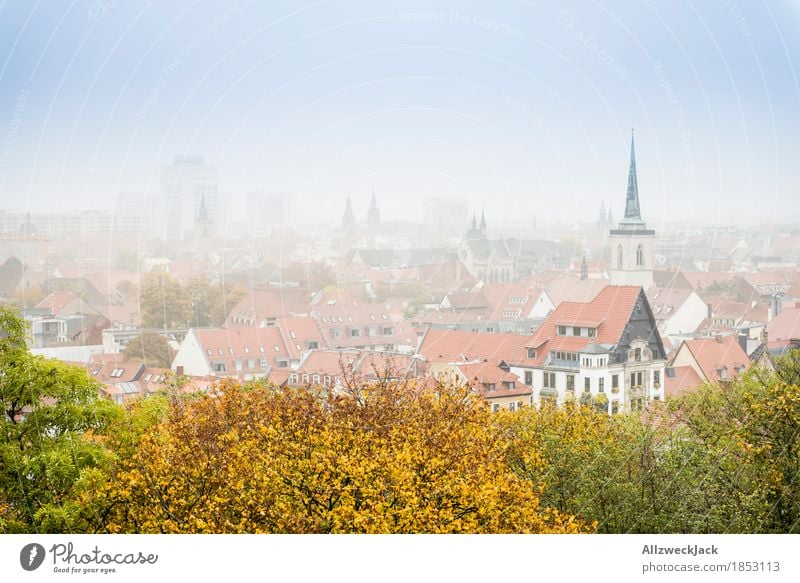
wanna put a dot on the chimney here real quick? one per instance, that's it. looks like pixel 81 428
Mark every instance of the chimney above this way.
pixel 743 341
pixel 179 370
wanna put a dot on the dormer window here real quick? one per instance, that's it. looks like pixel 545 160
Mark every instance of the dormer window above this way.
pixel 576 331
pixel 562 330
pixel 531 353
pixel 592 332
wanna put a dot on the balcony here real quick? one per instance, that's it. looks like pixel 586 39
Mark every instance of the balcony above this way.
pixel 562 363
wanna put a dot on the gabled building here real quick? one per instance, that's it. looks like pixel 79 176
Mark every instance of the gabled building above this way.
pixel 607 350
pixel 712 359
pixel 493 381
pixel 244 353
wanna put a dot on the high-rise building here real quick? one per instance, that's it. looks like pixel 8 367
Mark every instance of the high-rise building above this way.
pixel 268 209
pixel 186 185
pixel 632 242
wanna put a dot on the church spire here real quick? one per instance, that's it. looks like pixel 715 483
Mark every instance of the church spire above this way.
pixel 348 219
pixel 633 213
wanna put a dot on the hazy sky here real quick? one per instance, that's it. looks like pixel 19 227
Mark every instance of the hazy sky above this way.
pixel 524 108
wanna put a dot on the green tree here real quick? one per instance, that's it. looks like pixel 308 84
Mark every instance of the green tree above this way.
pixel 164 301
pixel 211 302
pixel 126 259
pixel 50 456
pixel 150 347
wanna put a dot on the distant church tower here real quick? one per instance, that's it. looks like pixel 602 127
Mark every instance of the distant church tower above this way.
pixel 203 223
pixel 632 242
pixel 373 214
pixel 348 219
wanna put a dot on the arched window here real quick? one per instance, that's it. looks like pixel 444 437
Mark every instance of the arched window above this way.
pixel 640 255
pixel 619 255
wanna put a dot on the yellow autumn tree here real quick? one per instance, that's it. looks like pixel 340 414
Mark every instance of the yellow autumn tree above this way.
pixel 380 458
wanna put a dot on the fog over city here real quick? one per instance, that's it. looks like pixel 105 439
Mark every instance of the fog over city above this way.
pixel 522 267
pixel 523 108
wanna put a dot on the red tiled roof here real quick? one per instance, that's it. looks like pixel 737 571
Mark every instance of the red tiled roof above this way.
pixel 261 304
pixel 713 354
pixel 57 301
pixel 457 345
pixel 230 344
pixel 784 326
pixel 483 373
pixel 684 378
pixel 298 332
pixel 609 311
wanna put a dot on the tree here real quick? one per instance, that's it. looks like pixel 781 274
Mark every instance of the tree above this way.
pixel 127 260
pixel 210 301
pixel 150 347
pixel 49 455
pixel 164 301
pixel 385 457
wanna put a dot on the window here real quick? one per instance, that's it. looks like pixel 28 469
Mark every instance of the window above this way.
pixel 562 330
pixel 570 382
pixel 261 349
pixel 614 407
pixel 316 379
pixel 251 365
pixel 512 407
pixel 637 355
pixel 337 333
pixel 230 350
pixel 550 380
pixel 587 384
pixel 388 331
pixel 219 367
pixel 495 408
pixel 529 377
pixel 592 332
pixel 277 348
pixel 576 331
pixel 657 379
pixel 263 364
pixel 305 379
pixel 293 378
pixel 633 379
pixel 489 386
pixel 615 381
pixel 246 350
pixel 221 353
pixel 531 353
pixel 313 345
pixel 208 352
pixel 640 255
pixel 602 385
pixel 355 332
pixel 619 256
pixel 238 365
pixel 723 373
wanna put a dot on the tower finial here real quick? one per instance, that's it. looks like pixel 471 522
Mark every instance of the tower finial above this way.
pixel 632 210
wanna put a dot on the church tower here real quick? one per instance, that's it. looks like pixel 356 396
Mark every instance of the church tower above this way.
pixel 373 214
pixel 348 219
pixel 632 242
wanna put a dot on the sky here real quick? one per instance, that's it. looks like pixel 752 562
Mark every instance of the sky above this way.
pixel 524 108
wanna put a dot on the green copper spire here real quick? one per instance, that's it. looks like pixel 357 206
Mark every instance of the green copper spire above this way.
pixel 633 213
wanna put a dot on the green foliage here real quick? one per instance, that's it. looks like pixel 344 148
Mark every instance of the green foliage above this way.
pixel 150 347
pixel 48 451
pixel 164 302
pixel 127 260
